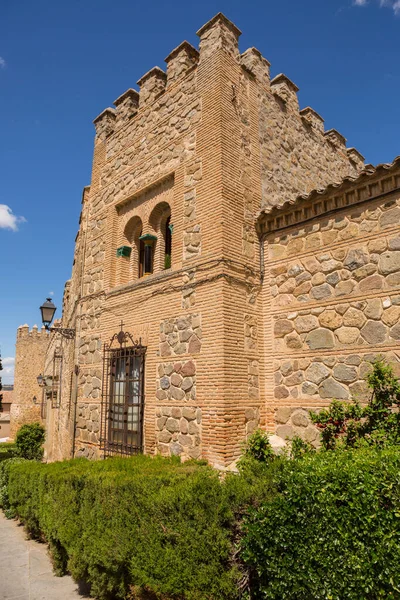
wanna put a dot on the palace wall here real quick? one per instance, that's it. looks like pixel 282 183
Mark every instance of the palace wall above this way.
pixel 331 295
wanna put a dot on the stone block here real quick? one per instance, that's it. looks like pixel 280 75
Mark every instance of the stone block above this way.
pixel 320 339
pixel 332 389
pixel 286 432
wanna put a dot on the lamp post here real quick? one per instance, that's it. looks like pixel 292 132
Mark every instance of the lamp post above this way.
pixel 48 309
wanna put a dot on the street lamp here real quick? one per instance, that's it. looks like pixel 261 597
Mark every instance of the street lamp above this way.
pixel 48 309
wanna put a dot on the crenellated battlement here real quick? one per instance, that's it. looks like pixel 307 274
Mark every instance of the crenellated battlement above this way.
pixel 219 33
pixel 180 60
pixel 286 90
pixel 126 106
pixel 313 119
pixel 254 61
pixel 24 332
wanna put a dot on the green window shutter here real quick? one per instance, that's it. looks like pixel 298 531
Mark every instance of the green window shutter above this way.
pixel 124 251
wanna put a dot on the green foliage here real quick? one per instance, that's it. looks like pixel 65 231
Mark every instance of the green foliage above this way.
pixel 333 532
pixel 152 527
pixel 167 261
pixel 258 448
pixel 347 424
pixel 7 450
pixel 29 441
pixel 4 478
pixel 300 448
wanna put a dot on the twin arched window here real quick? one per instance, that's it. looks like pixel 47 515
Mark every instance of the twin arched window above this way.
pixel 148 246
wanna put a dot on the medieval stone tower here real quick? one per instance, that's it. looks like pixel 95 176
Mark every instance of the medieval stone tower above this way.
pixel 30 356
pixel 213 291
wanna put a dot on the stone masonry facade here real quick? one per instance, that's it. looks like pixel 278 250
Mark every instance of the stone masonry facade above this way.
pixel 252 258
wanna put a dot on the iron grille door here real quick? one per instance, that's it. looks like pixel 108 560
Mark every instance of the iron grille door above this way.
pixel 123 397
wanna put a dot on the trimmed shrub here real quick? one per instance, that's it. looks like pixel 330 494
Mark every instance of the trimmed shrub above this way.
pixel 7 450
pixel 140 525
pixel 333 532
pixel 29 441
pixel 4 479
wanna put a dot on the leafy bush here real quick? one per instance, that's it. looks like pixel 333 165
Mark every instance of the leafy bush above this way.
pixel 378 423
pixel 4 477
pixel 300 448
pixel 29 441
pixel 139 525
pixel 7 450
pixel 332 533
pixel 257 448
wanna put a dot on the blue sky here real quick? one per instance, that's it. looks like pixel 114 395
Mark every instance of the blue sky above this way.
pixel 62 63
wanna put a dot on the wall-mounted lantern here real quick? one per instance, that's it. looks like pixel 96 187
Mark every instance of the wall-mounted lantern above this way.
pixel 48 309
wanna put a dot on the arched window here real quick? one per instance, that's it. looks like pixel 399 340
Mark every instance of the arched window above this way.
pixel 141 257
pixel 129 251
pixel 168 243
pixel 160 223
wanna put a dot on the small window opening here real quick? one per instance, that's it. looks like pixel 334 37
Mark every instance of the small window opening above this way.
pixel 168 243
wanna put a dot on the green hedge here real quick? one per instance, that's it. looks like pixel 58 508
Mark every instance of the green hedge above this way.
pixel 140 525
pixel 5 466
pixel 7 450
pixel 332 533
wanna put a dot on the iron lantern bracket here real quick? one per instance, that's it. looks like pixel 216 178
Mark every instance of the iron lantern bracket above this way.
pixel 65 331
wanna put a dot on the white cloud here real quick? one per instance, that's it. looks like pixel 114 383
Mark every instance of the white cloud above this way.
pixel 2 63
pixel 51 293
pixel 7 218
pixel 393 4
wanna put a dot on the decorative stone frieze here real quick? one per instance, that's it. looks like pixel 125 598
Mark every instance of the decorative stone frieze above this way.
pixel 181 335
pixel 178 431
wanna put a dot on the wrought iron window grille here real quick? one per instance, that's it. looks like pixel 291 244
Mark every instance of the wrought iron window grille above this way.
pixel 122 407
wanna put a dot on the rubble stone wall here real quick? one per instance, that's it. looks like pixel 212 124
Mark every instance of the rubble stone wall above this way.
pixel 332 289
